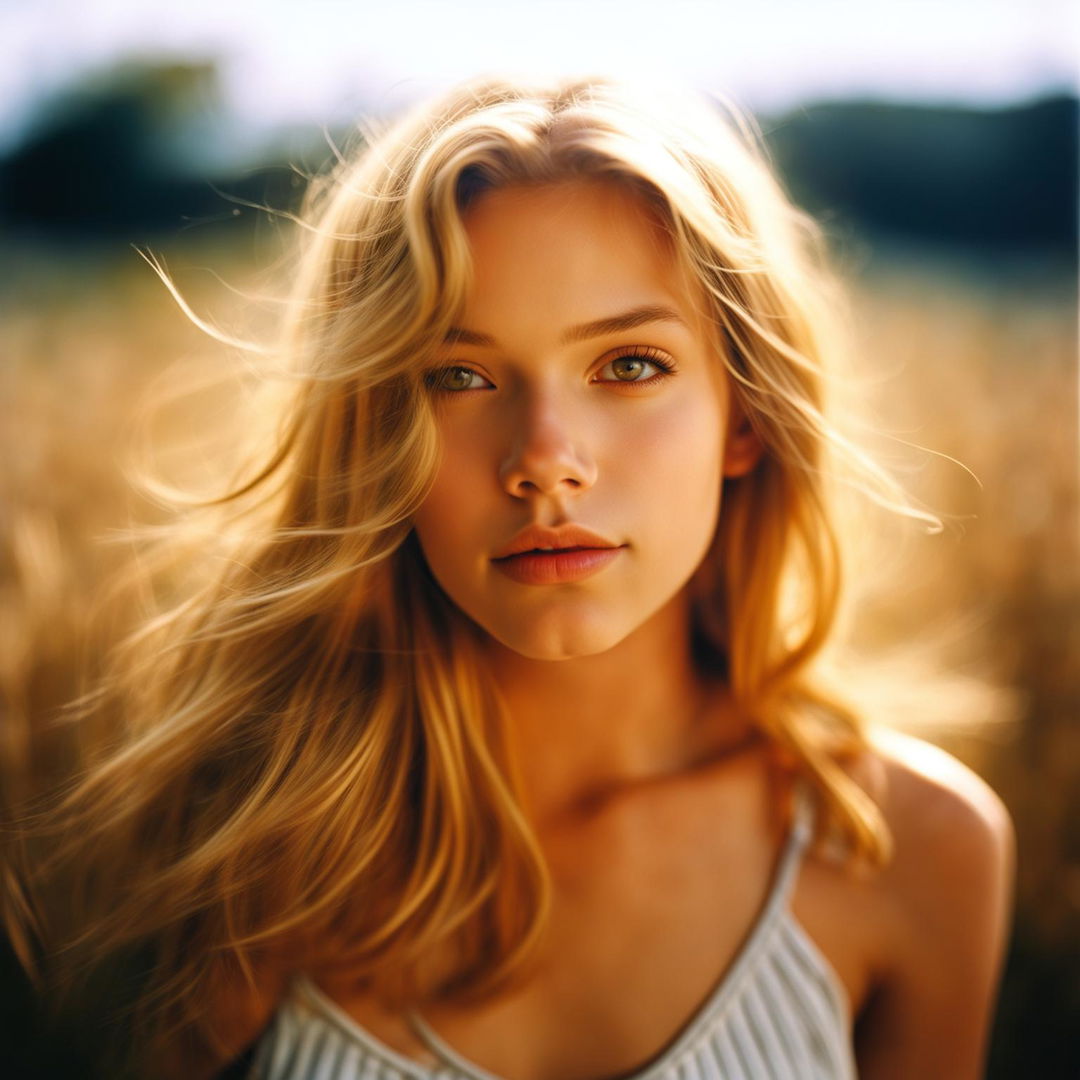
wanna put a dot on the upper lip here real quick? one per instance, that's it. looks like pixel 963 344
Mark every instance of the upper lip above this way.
pixel 565 536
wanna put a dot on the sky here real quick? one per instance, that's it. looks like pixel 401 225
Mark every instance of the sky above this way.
pixel 291 62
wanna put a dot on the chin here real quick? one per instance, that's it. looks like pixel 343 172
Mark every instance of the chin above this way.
pixel 558 643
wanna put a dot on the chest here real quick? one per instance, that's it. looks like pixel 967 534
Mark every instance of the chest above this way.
pixel 651 908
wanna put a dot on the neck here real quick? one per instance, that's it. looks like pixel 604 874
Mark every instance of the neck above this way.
pixel 587 729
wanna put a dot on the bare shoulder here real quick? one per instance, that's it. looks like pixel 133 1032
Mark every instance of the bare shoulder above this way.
pixel 931 797
pixel 949 894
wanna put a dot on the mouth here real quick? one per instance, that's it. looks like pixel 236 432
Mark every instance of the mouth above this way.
pixel 551 551
pixel 556 566
pixel 537 539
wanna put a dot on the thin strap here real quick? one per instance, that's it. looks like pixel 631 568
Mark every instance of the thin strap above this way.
pixel 803 816
pixel 799 833
pixel 444 1051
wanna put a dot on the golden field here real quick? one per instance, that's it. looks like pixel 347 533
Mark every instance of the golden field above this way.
pixel 977 367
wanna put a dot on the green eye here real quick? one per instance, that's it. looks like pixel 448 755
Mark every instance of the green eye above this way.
pixel 452 379
pixel 630 367
pixel 627 368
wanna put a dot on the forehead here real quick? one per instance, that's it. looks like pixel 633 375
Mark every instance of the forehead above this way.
pixel 560 239
pixel 603 200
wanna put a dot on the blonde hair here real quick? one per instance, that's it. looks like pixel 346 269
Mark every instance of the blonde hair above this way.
pixel 308 762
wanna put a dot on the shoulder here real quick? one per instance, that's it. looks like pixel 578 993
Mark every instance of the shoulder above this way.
pixel 236 1011
pixel 935 803
pixel 948 891
pixel 950 880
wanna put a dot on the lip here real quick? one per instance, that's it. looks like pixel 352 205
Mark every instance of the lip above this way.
pixel 556 567
pixel 569 535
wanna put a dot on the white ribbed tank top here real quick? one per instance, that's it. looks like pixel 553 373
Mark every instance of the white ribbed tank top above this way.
pixel 780 1012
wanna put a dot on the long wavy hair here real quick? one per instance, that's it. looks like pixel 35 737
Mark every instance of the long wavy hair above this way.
pixel 307 759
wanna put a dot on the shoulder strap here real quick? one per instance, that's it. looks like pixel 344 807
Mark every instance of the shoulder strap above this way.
pixel 799 834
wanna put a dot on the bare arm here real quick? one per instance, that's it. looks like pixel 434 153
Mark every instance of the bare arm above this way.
pixel 951 904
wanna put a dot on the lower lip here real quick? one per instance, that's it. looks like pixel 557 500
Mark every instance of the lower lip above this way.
pixel 556 567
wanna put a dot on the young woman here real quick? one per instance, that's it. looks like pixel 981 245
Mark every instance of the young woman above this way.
pixel 491 741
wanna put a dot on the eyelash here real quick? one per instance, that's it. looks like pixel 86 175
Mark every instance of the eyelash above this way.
pixel 645 352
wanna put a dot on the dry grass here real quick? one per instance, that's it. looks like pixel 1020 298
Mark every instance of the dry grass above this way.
pixel 987 374
pixel 984 373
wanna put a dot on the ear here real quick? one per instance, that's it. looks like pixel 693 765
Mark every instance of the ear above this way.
pixel 742 447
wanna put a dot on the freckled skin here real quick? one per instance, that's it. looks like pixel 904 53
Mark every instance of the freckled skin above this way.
pixel 548 433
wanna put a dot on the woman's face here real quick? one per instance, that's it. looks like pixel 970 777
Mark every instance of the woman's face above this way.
pixel 547 417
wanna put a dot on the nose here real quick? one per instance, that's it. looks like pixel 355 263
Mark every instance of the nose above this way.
pixel 547 453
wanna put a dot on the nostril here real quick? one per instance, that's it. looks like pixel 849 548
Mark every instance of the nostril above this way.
pixel 532 485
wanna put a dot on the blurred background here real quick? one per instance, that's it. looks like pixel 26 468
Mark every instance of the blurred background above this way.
pixel 936 143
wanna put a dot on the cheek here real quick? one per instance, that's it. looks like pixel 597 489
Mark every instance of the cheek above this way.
pixel 449 507
pixel 678 452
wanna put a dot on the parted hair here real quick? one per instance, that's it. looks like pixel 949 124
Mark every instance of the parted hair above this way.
pixel 307 759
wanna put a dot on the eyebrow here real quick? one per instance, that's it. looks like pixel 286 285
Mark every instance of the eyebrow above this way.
pixel 614 324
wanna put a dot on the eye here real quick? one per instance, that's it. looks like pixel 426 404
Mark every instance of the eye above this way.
pixel 453 379
pixel 632 366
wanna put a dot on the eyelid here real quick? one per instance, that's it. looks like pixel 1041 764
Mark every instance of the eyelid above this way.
pixel 432 375
pixel 657 356
pixel 660 359
pixel 663 362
